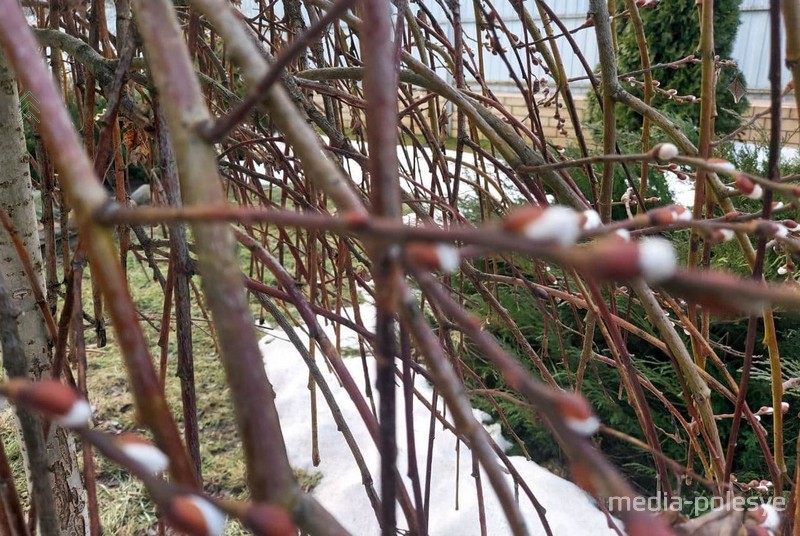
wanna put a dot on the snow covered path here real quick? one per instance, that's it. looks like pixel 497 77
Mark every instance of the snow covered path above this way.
pixel 569 510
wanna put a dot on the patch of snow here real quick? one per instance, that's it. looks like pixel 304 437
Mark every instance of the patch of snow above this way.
pixel 453 495
pixel 762 151
pixel 682 191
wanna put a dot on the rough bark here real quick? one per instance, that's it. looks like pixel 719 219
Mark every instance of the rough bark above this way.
pixel 16 198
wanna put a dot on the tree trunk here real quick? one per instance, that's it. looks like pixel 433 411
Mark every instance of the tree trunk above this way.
pixel 16 199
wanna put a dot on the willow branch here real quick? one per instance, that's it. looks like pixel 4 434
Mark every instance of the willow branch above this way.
pixel 608 72
pixel 86 195
pixel 305 143
pixel 223 125
pixel 452 390
pixel 380 92
pixel 269 474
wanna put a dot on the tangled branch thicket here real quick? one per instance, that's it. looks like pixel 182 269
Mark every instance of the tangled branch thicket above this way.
pixel 317 154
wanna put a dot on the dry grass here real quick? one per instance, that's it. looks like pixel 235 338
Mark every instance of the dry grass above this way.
pixel 125 508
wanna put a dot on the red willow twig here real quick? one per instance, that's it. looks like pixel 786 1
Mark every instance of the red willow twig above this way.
pixel 182 275
pixel 79 349
pixel 380 92
pixel 109 120
pixel 86 195
pixel 452 390
pixel 316 333
pixel 64 321
pixel 631 381
pixel 269 476
pixel 773 172
pixel 221 127
pixel 592 471
pixel 758 265
pixel 703 202
pixel 599 10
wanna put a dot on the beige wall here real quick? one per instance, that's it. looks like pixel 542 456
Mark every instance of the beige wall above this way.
pixel 790 127
pixel 549 116
pixel 758 132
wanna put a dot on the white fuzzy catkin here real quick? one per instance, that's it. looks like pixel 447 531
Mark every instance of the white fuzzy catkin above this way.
pixel 147 455
pixel 77 416
pixel 682 215
pixel 214 517
pixel 757 192
pixel 773 518
pixel 555 224
pixel 657 259
pixel 624 234
pixel 666 151
pixel 591 220
pixel 724 166
pixel 727 234
pixel 583 427
pixel 449 258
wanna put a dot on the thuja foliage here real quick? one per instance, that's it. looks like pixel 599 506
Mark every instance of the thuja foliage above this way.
pixel 559 346
pixel 558 340
pixel 625 175
pixel 673 34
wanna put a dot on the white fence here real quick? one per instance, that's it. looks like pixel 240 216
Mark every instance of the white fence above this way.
pixel 751 48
